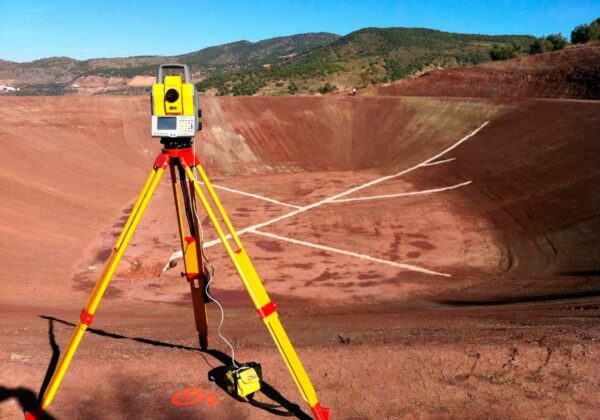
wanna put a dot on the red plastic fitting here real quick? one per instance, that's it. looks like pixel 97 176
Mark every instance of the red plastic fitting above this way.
pixel 37 414
pixel 187 157
pixel 191 276
pixel 162 161
pixel 267 310
pixel 86 318
pixel 189 239
pixel 320 412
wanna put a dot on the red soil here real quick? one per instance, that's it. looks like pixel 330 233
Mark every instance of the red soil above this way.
pixel 523 231
pixel 570 73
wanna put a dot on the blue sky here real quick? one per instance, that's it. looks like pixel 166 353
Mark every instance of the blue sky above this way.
pixel 32 29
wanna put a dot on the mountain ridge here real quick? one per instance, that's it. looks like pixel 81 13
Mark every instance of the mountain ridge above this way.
pixel 259 51
pixel 301 63
pixel 365 57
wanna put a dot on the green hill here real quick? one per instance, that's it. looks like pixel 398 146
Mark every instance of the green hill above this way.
pixel 236 56
pixel 304 63
pixel 370 55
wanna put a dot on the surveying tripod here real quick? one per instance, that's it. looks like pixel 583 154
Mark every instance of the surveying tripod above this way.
pixel 180 158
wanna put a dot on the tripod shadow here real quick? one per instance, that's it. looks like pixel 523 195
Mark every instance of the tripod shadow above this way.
pixel 282 406
pixel 27 398
pixel 53 359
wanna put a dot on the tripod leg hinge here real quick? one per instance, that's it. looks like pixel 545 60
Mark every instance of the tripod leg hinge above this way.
pixel 267 310
pixel 86 318
pixel 162 161
pixel 320 412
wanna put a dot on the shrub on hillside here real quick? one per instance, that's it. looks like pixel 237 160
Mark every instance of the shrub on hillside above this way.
pixel 540 45
pixel 326 88
pixel 505 51
pixel 248 86
pixel 584 33
pixel 594 32
pixel 395 71
pixel 552 42
pixel 580 34
pixel 558 41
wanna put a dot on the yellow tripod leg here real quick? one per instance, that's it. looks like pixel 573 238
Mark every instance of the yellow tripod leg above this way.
pixel 265 307
pixel 93 302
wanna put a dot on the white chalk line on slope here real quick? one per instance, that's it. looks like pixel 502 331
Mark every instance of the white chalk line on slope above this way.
pixel 455 145
pixel 349 253
pixel 174 256
pixel 257 196
pixel 439 162
pixel 332 198
pixel 359 187
pixel 375 197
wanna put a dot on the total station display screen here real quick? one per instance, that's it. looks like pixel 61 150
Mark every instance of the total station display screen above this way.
pixel 166 123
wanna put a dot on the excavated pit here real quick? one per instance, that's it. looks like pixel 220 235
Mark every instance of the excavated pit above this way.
pixel 529 210
pixel 478 203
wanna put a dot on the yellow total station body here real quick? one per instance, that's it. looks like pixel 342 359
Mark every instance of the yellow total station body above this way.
pixel 173 97
pixel 175 105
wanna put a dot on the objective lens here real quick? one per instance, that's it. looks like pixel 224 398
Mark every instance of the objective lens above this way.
pixel 172 95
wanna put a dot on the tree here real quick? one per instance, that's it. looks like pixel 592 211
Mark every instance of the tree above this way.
pixel 552 42
pixel 584 33
pixel 558 41
pixel 393 69
pixel 326 88
pixel 292 88
pixel 365 77
pixel 538 46
pixel 594 31
pixel 505 51
pixel 580 34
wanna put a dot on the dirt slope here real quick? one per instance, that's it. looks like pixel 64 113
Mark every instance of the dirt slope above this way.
pixel 333 133
pixel 408 296
pixel 94 155
pixel 78 166
pixel 570 73
pixel 68 166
